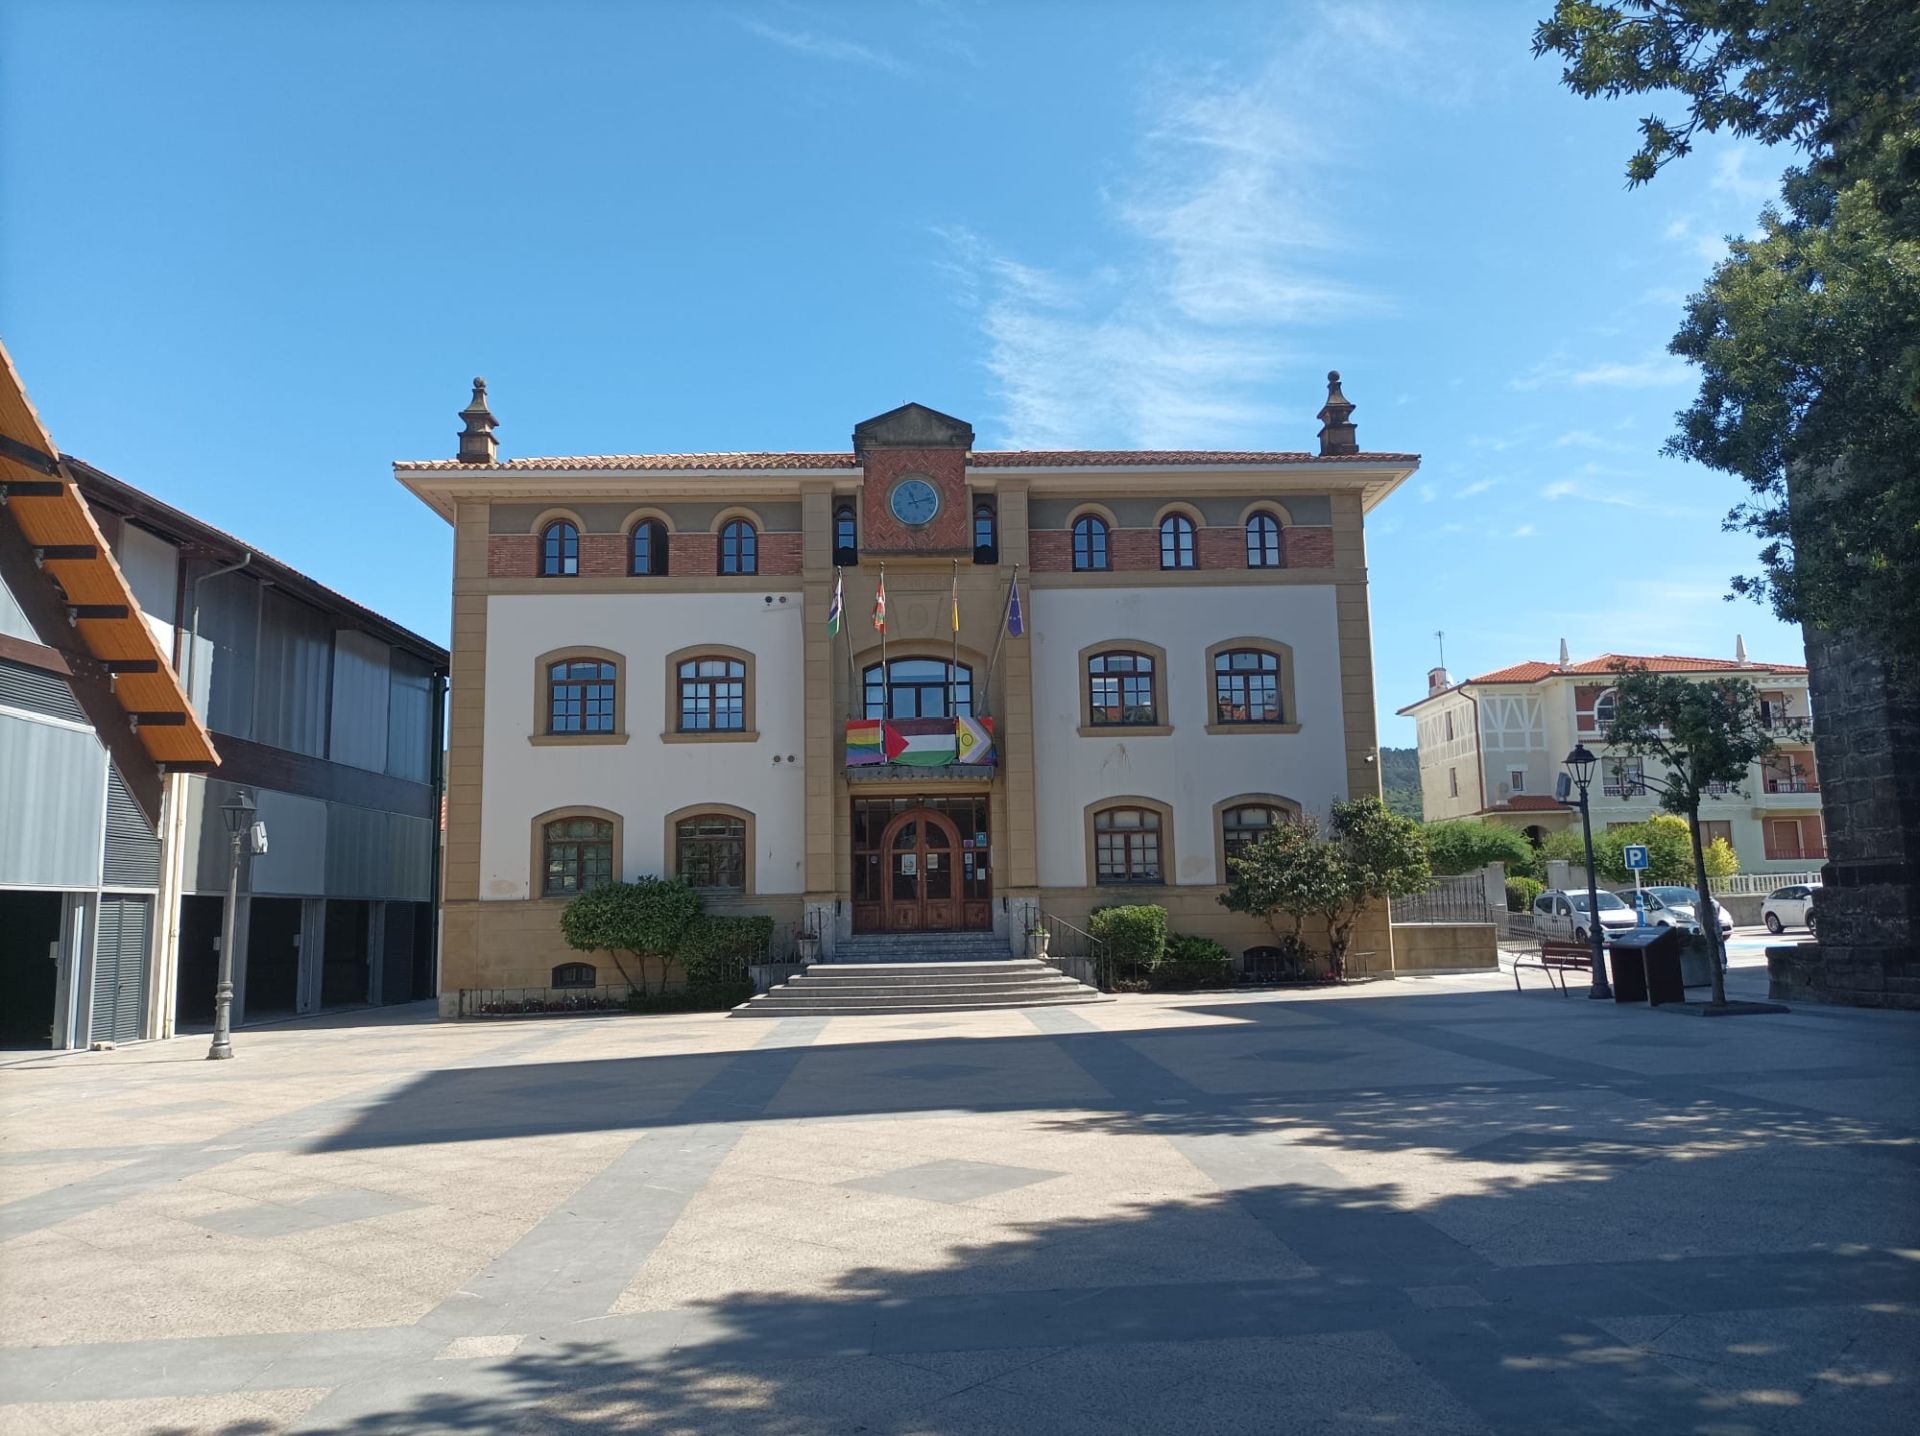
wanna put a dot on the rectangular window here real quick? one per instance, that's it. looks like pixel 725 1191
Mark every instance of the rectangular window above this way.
pixel 1453 782
pixel 1723 831
pixel 1120 690
pixel 1126 843
pixel 1517 780
pixel 713 695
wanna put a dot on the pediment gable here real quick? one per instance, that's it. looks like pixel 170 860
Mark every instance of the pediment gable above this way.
pixel 912 426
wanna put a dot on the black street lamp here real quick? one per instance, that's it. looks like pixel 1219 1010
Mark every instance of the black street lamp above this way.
pixel 238 812
pixel 1580 767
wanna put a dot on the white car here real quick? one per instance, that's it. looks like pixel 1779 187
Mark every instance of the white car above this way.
pixel 1678 907
pixel 1790 907
pixel 1563 915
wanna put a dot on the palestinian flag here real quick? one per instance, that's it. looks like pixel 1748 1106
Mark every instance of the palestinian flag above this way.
pixel 921 742
pixel 835 610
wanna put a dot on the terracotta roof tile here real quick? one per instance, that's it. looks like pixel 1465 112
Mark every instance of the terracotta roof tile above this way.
pixel 1532 803
pixel 1533 672
pixel 991 459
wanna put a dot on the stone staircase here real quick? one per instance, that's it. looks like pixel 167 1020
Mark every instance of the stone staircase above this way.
pixel 932 972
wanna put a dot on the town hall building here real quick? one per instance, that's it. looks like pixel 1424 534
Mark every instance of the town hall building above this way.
pixel 1094 675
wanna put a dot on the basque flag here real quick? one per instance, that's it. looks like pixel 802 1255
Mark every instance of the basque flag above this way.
pixel 880 604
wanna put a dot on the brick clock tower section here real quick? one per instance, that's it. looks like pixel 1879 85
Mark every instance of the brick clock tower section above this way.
pixel 914 441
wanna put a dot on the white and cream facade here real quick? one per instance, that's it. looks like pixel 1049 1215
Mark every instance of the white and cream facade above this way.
pixel 1491 747
pixel 644 680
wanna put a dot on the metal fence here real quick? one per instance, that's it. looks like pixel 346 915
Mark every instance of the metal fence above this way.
pixel 1452 899
pixel 1757 884
pixel 540 1001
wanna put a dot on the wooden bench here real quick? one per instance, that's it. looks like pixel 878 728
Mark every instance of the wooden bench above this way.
pixel 1554 958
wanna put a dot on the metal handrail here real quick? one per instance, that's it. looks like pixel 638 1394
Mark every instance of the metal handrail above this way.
pixel 1094 949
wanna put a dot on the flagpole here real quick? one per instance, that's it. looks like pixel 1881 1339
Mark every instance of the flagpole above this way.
pixel 953 665
pixel 1006 607
pixel 886 673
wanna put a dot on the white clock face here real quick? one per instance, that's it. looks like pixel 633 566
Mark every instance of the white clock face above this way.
pixel 915 502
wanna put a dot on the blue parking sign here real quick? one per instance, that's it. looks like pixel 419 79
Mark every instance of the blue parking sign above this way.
pixel 1636 857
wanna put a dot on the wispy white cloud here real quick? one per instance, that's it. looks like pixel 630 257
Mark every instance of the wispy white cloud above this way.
pixel 1525 531
pixel 1230 254
pixel 825 47
pixel 1478 486
pixel 1709 246
pixel 1730 177
pixel 1656 370
pixel 1428 493
pixel 1613 496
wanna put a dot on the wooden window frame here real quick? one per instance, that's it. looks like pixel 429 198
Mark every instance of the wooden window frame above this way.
pixel 1162 724
pixel 545 531
pixel 658 528
pixel 1168 522
pixel 1287 807
pixel 988 552
pixel 538 864
pixel 971 670
pixel 846 555
pixel 1104 527
pixel 1289 711
pixel 670 845
pixel 1160 810
pixel 747 733
pixel 1279 545
pixel 542 735
pixel 747 547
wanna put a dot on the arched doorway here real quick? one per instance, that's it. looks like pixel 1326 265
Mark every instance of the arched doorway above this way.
pixel 922 851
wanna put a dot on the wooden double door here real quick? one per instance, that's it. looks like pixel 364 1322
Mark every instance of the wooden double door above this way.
pixel 932 878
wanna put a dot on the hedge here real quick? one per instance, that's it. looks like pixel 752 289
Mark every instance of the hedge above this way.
pixel 716 952
pixel 1521 892
pixel 1188 962
pixel 1134 936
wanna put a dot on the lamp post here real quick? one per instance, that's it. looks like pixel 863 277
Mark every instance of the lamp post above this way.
pixel 238 812
pixel 1580 767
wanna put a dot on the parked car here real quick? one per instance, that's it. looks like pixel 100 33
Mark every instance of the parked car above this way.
pixel 1677 907
pixel 1563 915
pixel 1790 907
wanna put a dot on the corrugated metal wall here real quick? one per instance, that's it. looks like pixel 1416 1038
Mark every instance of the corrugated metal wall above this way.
pixel 360 701
pixel 54 782
pixel 358 852
pixel 121 954
pixel 131 857
pixel 410 719
pixel 223 661
pixel 296 856
pixel 314 849
pixel 38 692
pixel 294 675
pixel 410 873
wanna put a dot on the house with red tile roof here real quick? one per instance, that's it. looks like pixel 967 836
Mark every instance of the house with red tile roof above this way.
pixel 1492 746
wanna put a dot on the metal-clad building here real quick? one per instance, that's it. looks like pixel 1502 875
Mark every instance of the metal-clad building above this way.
pixel 327 713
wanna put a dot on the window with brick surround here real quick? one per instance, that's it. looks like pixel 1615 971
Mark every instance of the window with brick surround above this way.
pixel 739 547
pixel 1176 541
pixel 647 551
pixel 1263 541
pixel 986 533
pixel 559 550
pixel 1092 551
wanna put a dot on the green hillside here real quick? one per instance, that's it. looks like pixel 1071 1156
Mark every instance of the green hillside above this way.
pixel 1400 780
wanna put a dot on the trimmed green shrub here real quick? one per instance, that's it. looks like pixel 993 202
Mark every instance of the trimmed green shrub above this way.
pixel 716 953
pixel 1134 936
pixel 1188 962
pixel 1521 892
pixel 642 919
pixel 1465 845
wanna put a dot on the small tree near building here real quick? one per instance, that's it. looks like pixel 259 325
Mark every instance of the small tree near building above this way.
pixel 1466 845
pixel 638 921
pixel 1707 732
pixel 1366 855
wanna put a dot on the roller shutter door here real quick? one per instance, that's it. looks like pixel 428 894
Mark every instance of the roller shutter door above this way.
pixel 121 950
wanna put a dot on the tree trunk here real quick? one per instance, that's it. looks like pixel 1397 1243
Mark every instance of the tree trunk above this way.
pixel 1705 911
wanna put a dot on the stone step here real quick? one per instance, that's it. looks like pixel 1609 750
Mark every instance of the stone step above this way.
pixel 839 1007
pixel 920 971
pixel 930 991
pixel 836 989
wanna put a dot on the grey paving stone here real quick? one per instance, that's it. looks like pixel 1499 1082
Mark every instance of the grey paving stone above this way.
pixel 954 1181
pixel 934 1071
pixel 280 1219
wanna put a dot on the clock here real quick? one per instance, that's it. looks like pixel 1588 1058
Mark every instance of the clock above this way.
pixel 914 502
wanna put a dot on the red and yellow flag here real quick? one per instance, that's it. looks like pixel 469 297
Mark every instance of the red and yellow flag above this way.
pixel 880 604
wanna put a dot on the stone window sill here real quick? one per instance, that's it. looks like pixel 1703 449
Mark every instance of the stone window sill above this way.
pixel 574 740
pixel 1233 729
pixel 731 735
pixel 1127 730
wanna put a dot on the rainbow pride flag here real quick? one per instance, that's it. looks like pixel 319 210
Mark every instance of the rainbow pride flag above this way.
pixel 866 742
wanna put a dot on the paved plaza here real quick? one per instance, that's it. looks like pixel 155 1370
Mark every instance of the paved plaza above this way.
pixel 1422 1206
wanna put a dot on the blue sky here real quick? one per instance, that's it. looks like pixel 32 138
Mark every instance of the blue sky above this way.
pixel 252 253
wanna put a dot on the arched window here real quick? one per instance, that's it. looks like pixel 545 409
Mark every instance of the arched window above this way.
pixel 1120 691
pixel 1126 846
pixel 582 696
pixel 919 688
pixel 574 974
pixel 648 555
pixel 1604 709
pixel 846 537
pixel 1246 687
pixel 1176 541
pixel 986 534
pixel 739 547
pixel 710 852
pixel 1241 827
pixel 1263 541
pixel 1090 546
pixel 712 694
pixel 559 550
pixel 575 854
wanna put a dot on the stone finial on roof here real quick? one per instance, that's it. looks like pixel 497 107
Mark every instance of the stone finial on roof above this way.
pixel 1337 434
pixel 1565 660
pixel 1740 649
pixel 477 444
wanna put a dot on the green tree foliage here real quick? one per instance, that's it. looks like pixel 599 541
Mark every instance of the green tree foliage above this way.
pixel 1134 936
pixel 1400 782
pixel 1702 732
pixel 1669 847
pixel 1522 891
pixel 1294 872
pixel 642 920
pixel 717 951
pixel 1465 845
pixel 1808 337
pixel 1188 962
